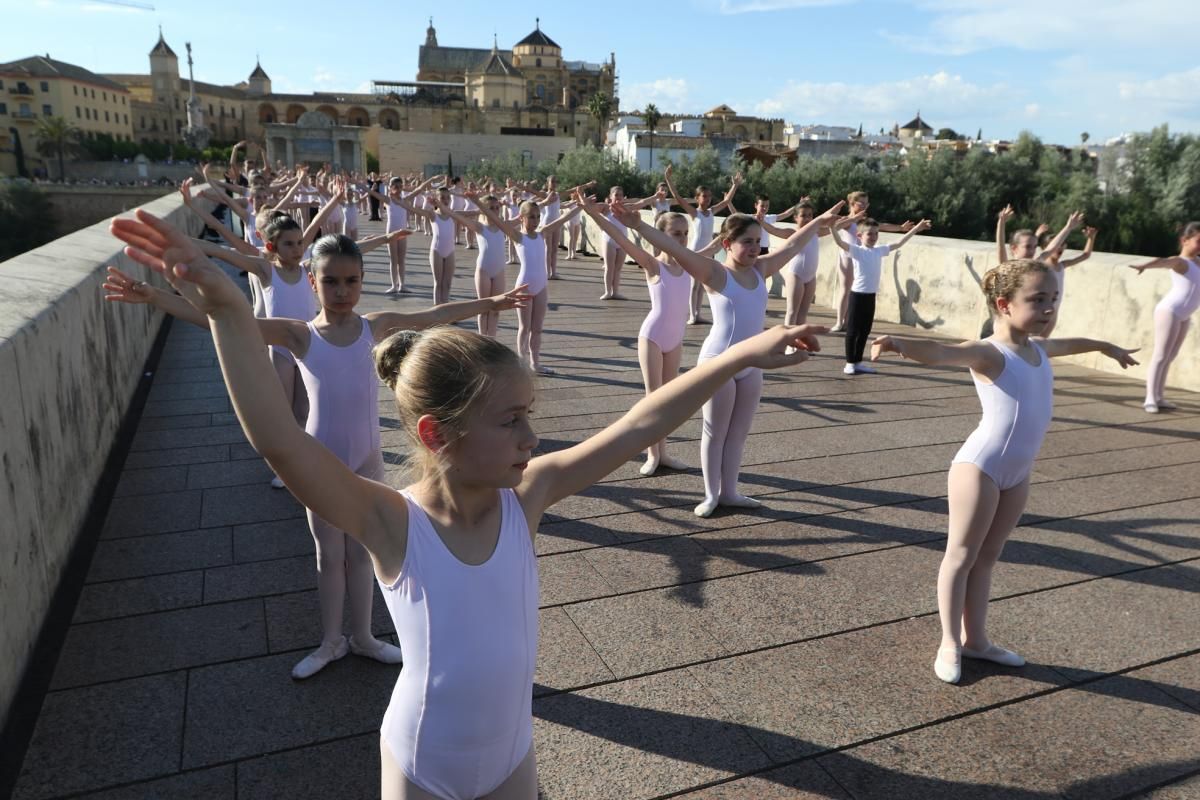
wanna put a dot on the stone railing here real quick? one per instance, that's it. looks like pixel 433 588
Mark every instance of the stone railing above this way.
pixel 932 284
pixel 70 363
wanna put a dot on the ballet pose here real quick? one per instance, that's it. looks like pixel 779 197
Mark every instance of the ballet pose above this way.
pixel 489 266
pixel 800 274
pixel 989 477
pixel 738 297
pixel 1172 315
pixel 702 215
pixel 614 258
pixel 441 249
pixel 453 552
pixel 528 236
pixel 660 340
pixel 397 220
pixel 1024 244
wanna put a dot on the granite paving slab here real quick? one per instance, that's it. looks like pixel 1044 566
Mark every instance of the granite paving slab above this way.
pixel 115 559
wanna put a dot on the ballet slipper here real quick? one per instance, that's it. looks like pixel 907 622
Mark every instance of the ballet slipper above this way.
pixel 739 501
pixel 320 658
pixel 277 482
pixel 383 652
pixel 948 669
pixel 706 508
pixel 649 468
pixel 670 462
pixel 996 654
pixel 1151 408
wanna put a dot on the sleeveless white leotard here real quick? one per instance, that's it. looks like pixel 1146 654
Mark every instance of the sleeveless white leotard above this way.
pixel 804 264
pixel 492 257
pixel 531 252
pixel 738 313
pixel 1017 409
pixel 443 235
pixel 397 217
pixel 1184 297
pixel 701 230
pixel 460 720
pixel 343 396
pixel 289 300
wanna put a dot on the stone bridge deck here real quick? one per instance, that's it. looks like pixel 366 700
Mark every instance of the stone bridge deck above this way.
pixel 781 653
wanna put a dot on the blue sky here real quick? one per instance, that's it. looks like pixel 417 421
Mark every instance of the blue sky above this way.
pixel 1056 67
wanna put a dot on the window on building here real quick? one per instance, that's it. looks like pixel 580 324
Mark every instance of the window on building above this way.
pixel 541 91
pixel 126 118
pixel 222 111
pixel 3 106
pixel 538 62
pixel 122 99
pixel 235 131
pixel 78 115
pixel 76 88
pixel 210 111
pixel 495 102
pixel 24 111
pixel 106 116
pixel 178 126
pixel 176 103
pixel 1 86
pixel 143 123
pixel 104 96
pixel 93 94
pixel 45 86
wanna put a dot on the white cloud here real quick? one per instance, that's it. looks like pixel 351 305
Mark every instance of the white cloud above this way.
pixel 669 94
pixel 959 27
pixel 943 99
pixel 323 78
pixel 750 6
pixel 1032 109
pixel 107 8
pixel 1175 91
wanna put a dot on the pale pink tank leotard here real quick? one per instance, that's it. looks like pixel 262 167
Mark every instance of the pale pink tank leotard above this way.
pixel 492 257
pixel 669 297
pixel 443 236
pixel 460 720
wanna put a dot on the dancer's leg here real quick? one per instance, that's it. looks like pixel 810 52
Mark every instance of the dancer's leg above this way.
pixel 331 575
pixel 695 300
pixel 394 265
pixel 552 241
pixel 536 319
pixel 572 241
pixel 793 289
pixel 809 291
pixel 748 392
pixel 1009 506
pixel 717 413
pixel 974 499
pixel 846 267
pixel 651 361
pixel 522 784
pixel 670 371
pixel 524 332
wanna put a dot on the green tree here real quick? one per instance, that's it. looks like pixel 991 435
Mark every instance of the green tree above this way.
pixel 652 117
pixel 56 137
pixel 599 106
pixel 946 133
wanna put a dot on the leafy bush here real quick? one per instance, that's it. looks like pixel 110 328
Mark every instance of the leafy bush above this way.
pixel 26 218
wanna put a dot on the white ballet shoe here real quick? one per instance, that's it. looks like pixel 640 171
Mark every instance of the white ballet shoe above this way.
pixel 739 501
pixel 948 669
pixel 997 654
pixel 320 658
pixel 1151 408
pixel 381 651
pixel 277 482
pixel 649 468
pixel 670 462
pixel 706 508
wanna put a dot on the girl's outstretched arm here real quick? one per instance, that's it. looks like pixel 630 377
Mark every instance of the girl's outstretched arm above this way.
pixel 923 225
pixel 462 219
pixel 1073 222
pixel 552 477
pixel 687 207
pixel 385 323
pixel 310 233
pixel 368 511
pixel 727 200
pixel 1002 219
pixel 982 357
pixel 775 260
pixel 255 264
pixel 560 220
pixel 371 242
pixel 511 229
pixel 643 259
pixel 235 241
pixel 1087 250
pixel 1074 346
pixel 701 267
pixel 1169 262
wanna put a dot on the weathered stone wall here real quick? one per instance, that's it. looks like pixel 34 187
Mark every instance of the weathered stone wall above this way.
pixel 70 363
pixel 78 207
pixel 125 171
pixel 932 284
pixel 406 151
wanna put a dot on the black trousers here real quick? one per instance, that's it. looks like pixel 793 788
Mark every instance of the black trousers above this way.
pixel 374 208
pixel 860 316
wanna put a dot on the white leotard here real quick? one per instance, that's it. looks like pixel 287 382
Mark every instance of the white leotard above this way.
pixel 397 217
pixel 531 252
pixel 492 257
pixel 661 206
pixel 764 238
pixel 460 719
pixel 1184 297
pixel 289 300
pixel 804 264
pixel 701 230
pixel 738 314
pixel 1017 409
pixel 551 209
pixel 443 235
pixel 616 224
pixel 351 223
pixel 343 396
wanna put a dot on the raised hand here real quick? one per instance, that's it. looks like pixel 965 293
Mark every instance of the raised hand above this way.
pixel 1043 228
pixel 1007 213
pixel 626 216
pixel 923 225
pixel 1075 220
pixel 517 297
pixel 160 246
pixel 1091 232
pixel 667 173
pixel 185 189
pixel 122 288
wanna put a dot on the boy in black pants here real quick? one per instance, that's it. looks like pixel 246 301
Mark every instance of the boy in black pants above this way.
pixel 868 265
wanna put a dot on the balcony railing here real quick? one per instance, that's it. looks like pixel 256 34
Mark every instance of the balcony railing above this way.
pixel 21 89
pixel 24 114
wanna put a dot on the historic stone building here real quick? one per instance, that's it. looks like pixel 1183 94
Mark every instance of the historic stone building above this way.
pixel 528 90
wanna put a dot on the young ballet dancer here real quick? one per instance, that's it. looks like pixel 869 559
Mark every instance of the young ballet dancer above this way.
pixel 614 258
pixel 1172 315
pixel 454 551
pixel 551 204
pixel 702 215
pixel 333 352
pixel 989 477
pixel 857 203
pixel 867 262
pixel 800 274
pixel 489 265
pixel 397 220
pixel 1024 244
pixel 528 235
pixel 660 339
pixel 738 298
pixel 441 249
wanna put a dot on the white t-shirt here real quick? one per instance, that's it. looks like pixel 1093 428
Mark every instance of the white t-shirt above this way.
pixel 868 266
pixel 765 239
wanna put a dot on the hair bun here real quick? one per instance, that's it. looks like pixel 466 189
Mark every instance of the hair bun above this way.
pixel 390 354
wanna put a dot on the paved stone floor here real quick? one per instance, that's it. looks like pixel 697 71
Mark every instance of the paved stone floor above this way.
pixel 784 653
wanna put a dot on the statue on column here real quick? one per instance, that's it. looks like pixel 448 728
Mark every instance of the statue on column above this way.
pixel 195 134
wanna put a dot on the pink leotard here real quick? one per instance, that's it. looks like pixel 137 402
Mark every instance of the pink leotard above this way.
pixel 460 720
pixel 443 236
pixel 1017 409
pixel 1183 299
pixel 667 321
pixel 491 252
pixel 343 396
pixel 531 252
pixel 804 264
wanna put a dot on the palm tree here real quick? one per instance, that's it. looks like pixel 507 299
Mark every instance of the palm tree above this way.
pixel 652 117
pixel 600 106
pixel 56 137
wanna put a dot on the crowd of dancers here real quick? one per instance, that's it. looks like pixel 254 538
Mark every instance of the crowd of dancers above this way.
pixel 453 551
